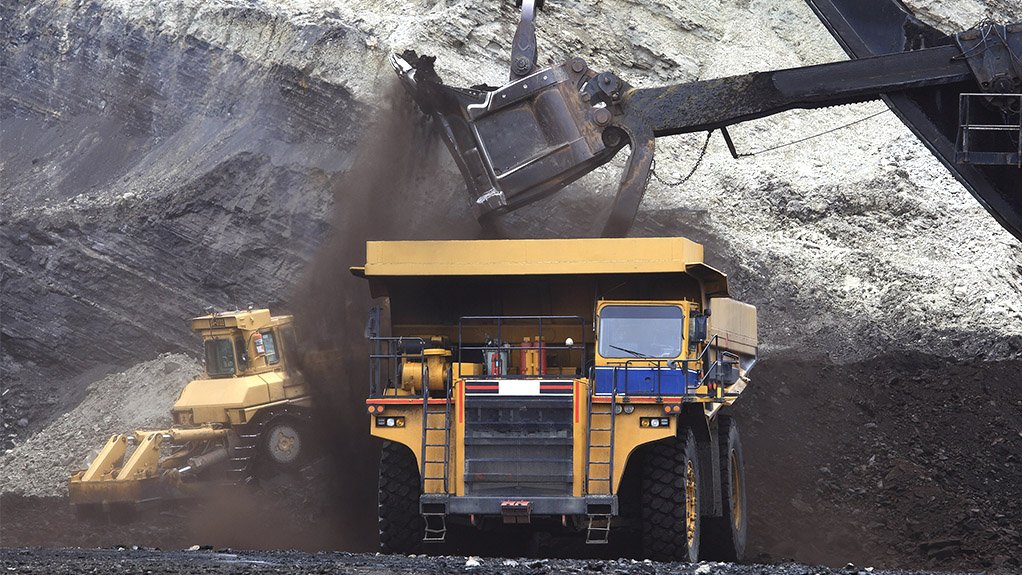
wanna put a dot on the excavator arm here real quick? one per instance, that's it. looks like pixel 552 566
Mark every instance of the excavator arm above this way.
pixel 548 127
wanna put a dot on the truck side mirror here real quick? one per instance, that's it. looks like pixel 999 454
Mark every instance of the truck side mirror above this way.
pixel 699 327
pixel 373 323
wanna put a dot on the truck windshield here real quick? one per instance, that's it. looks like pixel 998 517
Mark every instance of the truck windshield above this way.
pixel 219 357
pixel 641 331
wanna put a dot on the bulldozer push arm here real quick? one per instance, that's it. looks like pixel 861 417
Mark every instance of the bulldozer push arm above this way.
pixel 547 127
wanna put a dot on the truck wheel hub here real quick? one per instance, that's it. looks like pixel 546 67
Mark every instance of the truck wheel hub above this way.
pixel 284 443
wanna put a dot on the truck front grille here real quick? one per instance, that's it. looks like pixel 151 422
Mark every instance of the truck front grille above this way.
pixel 518 446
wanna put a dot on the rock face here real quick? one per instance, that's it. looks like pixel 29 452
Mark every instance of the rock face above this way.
pixel 147 175
pixel 162 156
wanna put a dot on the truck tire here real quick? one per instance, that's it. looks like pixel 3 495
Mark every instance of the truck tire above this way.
pixel 401 525
pixel 725 537
pixel 671 500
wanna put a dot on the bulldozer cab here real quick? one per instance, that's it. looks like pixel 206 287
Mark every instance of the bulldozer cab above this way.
pixel 242 343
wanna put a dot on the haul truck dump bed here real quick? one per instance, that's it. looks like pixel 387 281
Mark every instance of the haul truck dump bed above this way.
pixel 571 384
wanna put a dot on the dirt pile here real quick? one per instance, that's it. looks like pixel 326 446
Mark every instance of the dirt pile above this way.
pixel 905 460
pixel 139 398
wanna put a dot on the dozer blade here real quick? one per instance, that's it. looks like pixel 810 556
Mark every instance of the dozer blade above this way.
pixel 121 480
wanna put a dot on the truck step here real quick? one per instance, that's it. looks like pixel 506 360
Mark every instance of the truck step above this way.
pixel 598 532
pixel 436 528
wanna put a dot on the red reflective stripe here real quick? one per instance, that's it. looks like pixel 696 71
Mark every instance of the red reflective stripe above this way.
pixel 542 387
pixel 576 402
pixel 417 401
pixel 461 403
pixel 482 387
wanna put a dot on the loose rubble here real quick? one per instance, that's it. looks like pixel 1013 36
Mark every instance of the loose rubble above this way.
pixel 138 398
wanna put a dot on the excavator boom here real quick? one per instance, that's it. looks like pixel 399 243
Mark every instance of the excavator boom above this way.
pixel 866 28
pixel 960 94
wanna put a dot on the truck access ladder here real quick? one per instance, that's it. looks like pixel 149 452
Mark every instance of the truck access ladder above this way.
pixel 600 461
pixel 436 457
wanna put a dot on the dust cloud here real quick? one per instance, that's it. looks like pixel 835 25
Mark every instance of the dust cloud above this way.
pixel 397 188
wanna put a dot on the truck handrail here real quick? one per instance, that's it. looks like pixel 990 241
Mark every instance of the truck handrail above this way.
pixel 378 354
pixel 702 360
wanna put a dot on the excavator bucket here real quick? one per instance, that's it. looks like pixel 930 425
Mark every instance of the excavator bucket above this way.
pixel 514 144
pixel 517 143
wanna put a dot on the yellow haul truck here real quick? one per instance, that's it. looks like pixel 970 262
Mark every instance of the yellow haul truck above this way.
pixel 570 384
pixel 246 416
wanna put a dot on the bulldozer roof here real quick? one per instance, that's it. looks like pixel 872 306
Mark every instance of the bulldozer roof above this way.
pixel 241 319
pixel 540 257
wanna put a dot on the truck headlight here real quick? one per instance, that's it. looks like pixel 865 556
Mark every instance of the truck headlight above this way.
pixel 382 421
pixel 654 422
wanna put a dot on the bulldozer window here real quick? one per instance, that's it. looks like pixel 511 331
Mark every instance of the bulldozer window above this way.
pixel 239 344
pixel 289 343
pixel 628 331
pixel 271 347
pixel 219 357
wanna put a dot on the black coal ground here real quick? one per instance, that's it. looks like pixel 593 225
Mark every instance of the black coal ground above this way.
pixel 903 461
pixel 222 562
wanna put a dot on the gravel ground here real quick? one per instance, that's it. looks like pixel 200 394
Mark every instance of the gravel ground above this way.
pixel 904 461
pixel 128 560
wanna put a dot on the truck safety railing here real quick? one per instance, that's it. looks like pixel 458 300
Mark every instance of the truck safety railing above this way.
pixel 497 353
pixel 385 359
pixel 714 372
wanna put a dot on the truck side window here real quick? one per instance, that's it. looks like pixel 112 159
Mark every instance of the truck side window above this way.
pixel 271 347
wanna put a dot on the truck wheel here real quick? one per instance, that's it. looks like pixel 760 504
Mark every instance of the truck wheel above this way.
pixel 284 442
pixel 401 525
pixel 726 536
pixel 670 500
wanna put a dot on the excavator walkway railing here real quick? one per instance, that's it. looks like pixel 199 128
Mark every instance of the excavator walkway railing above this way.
pixel 986 136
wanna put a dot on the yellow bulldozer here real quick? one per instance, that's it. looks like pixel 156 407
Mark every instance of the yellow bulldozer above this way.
pixel 246 417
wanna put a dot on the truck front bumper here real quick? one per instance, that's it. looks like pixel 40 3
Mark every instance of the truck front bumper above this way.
pixel 477 505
